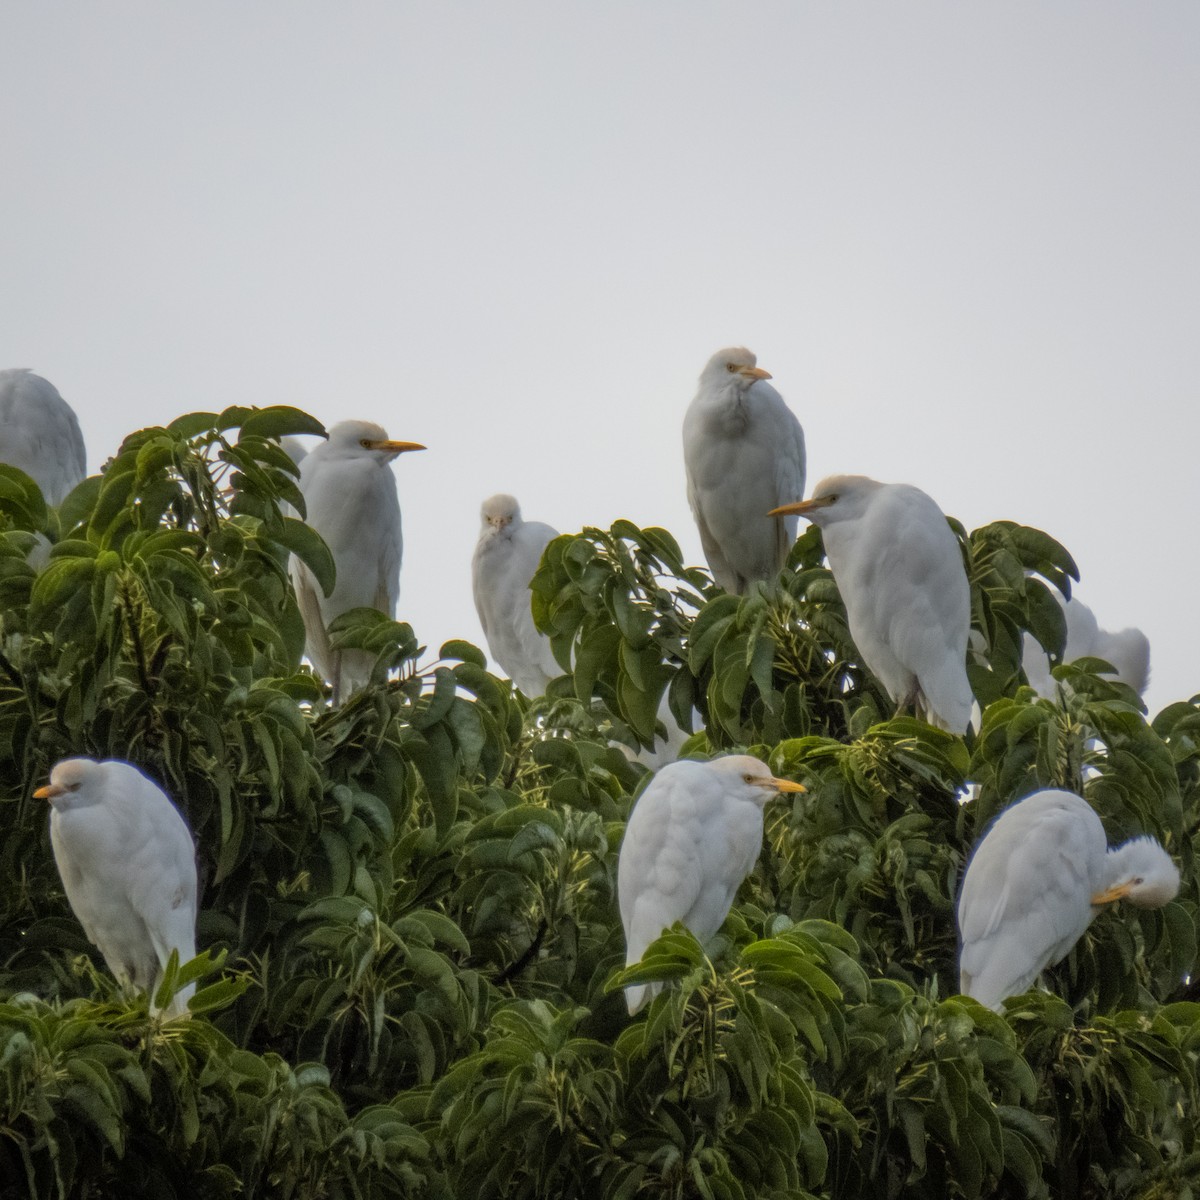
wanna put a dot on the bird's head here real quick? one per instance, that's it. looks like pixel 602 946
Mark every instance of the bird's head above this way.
pixel 498 512
pixel 70 783
pixel 1143 873
pixel 733 368
pixel 838 498
pixel 750 778
pixel 366 440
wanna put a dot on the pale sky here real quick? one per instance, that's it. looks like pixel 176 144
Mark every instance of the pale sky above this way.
pixel 963 238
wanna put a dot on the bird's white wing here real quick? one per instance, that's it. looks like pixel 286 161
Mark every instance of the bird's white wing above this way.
pixel 1025 898
pixel 316 636
pixel 40 434
pixel 1129 651
pixel 921 603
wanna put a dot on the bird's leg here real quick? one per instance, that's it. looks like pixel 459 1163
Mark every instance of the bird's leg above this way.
pixel 910 700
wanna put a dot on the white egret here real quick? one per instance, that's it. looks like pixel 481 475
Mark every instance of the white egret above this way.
pixel 128 865
pixel 1128 650
pixel 505 559
pixel 350 496
pixel 1035 883
pixel 694 834
pixel 39 433
pixel 743 451
pixel 899 569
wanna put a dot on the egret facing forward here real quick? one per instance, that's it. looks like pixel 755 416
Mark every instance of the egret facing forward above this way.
pixel 505 559
pixel 1128 650
pixel 350 496
pixel 743 451
pixel 128 865
pixel 694 834
pixel 900 573
pixel 39 433
pixel 1035 883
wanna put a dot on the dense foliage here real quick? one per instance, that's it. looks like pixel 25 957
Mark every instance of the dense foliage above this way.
pixel 412 963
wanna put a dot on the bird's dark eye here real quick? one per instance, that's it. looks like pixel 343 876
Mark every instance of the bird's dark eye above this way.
pixel 73 787
pixel 365 443
pixel 1138 881
pixel 748 778
pixel 832 499
pixel 731 367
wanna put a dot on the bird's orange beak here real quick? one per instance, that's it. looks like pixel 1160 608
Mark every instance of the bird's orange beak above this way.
pixel 786 785
pixel 397 447
pixel 48 792
pixel 754 373
pixel 1113 894
pixel 801 507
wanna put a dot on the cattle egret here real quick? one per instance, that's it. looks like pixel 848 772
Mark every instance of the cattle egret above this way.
pixel 899 569
pixel 350 497
pixel 743 451
pixel 506 557
pixel 694 834
pixel 1128 650
pixel 1034 884
pixel 128 865
pixel 39 433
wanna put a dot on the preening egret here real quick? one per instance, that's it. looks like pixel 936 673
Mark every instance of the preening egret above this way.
pixel 1034 884
pixel 128 865
pixel 743 451
pixel 900 573
pixel 505 559
pixel 350 494
pixel 39 433
pixel 694 834
pixel 1128 650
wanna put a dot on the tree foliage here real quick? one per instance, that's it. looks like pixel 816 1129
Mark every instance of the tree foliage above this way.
pixel 413 962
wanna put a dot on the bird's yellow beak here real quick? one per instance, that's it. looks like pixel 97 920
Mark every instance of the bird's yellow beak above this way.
pixel 801 507
pixel 1113 894
pixel 785 785
pixel 754 372
pixel 397 447
pixel 48 792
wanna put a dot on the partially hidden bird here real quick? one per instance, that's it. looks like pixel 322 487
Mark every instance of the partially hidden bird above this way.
pixel 1128 650
pixel 350 499
pixel 900 573
pixel 506 556
pixel 694 835
pixel 40 434
pixel 128 866
pixel 743 452
pixel 1037 880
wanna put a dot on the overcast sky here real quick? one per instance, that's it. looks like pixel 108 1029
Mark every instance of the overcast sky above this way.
pixel 963 238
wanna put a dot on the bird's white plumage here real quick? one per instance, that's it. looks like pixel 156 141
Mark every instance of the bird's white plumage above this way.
pixel 39 433
pixel 505 559
pixel 1027 895
pixel 899 570
pixel 1127 649
pixel 350 495
pixel 128 866
pixel 743 451
pixel 694 834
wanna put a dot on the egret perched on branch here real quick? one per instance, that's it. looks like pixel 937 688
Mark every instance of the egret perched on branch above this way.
pixel 1035 883
pixel 350 496
pixel 39 433
pixel 506 557
pixel 694 834
pixel 1128 650
pixel 128 865
pixel 743 451
pixel 900 573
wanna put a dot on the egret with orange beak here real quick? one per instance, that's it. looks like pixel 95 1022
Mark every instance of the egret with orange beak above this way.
pixel 1037 880
pixel 743 451
pixel 350 496
pixel 694 835
pixel 899 569
pixel 128 866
